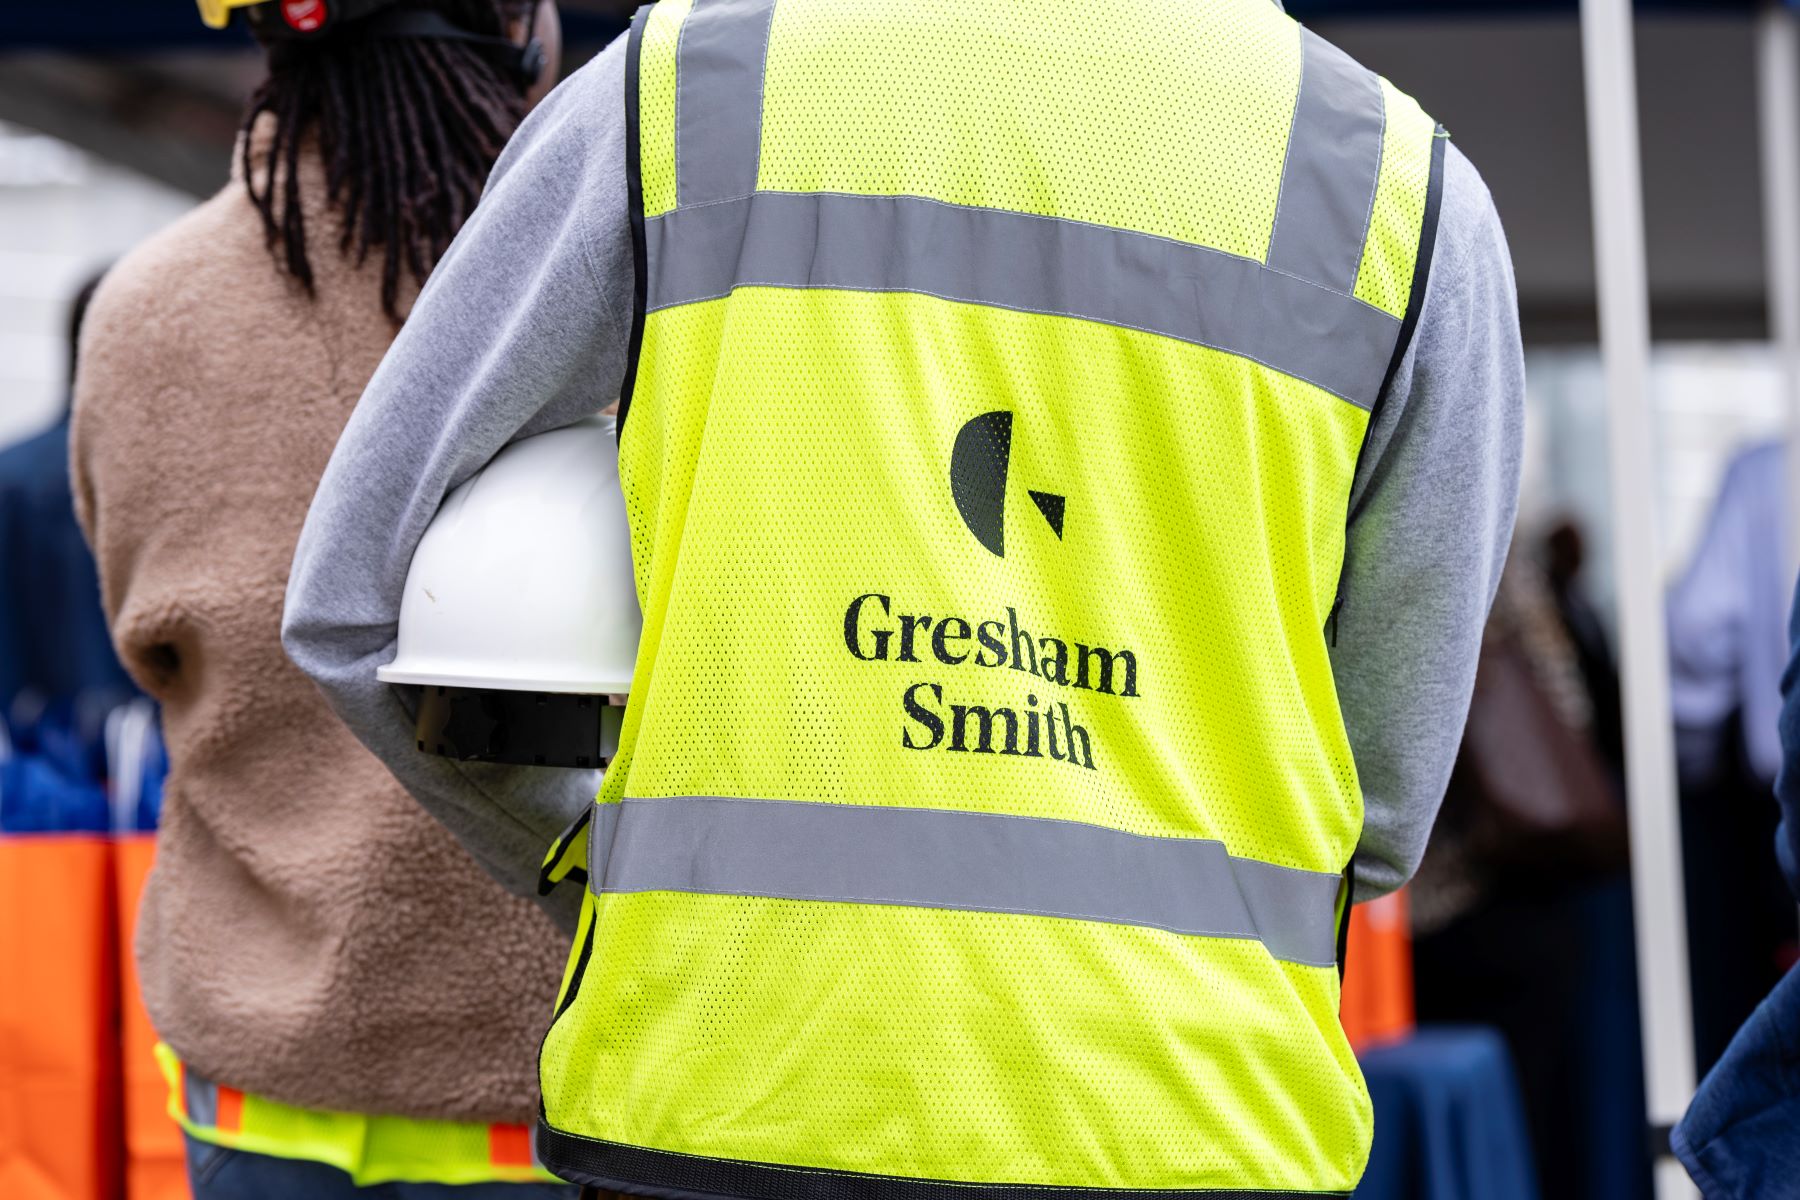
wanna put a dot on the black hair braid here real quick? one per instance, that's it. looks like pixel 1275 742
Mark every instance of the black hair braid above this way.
pixel 407 127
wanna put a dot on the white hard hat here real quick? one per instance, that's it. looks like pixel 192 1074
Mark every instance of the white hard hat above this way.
pixel 522 584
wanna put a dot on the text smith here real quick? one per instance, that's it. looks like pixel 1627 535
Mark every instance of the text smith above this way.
pixel 873 633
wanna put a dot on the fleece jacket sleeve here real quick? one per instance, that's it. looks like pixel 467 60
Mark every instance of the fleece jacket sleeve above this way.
pixel 1431 520
pixel 522 328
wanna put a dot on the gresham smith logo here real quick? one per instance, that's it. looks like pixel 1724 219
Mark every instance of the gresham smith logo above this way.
pixel 979 464
pixel 873 632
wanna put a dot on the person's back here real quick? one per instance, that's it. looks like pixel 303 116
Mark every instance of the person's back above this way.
pixel 213 392
pixel 314 948
pixel 1029 621
pixel 990 435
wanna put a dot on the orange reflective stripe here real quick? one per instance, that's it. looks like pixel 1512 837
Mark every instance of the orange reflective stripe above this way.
pixel 231 1110
pixel 510 1146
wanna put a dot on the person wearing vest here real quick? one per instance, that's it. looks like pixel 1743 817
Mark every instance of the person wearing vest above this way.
pixel 1069 454
pixel 346 1000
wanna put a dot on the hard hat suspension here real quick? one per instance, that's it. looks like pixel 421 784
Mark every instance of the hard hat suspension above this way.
pixel 544 729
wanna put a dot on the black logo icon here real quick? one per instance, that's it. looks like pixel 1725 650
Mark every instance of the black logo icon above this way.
pixel 980 462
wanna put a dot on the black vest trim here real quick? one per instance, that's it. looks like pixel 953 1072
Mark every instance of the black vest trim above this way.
pixel 1434 203
pixel 634 186
pixel 670 1176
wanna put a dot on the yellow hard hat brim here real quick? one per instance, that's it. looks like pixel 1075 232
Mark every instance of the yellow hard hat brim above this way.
pixel 217 13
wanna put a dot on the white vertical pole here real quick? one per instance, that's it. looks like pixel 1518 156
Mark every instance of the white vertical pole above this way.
pixel 1778 96
pixel 1608 55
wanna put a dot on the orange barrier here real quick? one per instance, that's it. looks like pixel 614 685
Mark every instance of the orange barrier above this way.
pixel 59 1134
pixel 155 1163
pixel 1378 985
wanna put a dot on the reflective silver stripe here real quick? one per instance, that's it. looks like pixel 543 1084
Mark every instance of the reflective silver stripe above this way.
pixel 1295 315
pixel 200 1097
pixel 718 99
pixel 936 858
pixel 1333 164
pixel 1032 264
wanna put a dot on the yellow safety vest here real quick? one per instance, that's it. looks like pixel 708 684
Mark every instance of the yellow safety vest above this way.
pixel 983 809
pixel 371 1149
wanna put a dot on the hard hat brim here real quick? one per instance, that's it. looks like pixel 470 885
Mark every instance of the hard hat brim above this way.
pixel 446 675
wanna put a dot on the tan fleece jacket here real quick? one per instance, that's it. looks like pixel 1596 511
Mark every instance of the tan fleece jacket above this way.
pixel 309 933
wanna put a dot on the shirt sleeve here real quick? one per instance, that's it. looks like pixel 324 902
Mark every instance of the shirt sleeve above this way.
pixel 1787 781
pixel 522 328
pixel 1431 520
pixel 1708 609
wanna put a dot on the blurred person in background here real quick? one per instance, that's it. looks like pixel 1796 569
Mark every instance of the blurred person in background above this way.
pixel 1565 565
pixel 59 676
pixel 1506 928
pixel 1727 622
pixel 346 999
pixel 1607 1072
pixel 1740 1137
pixel 1727 646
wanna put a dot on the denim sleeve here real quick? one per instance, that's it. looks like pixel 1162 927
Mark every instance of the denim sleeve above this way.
pixel 1737 1135
pixel 1787 780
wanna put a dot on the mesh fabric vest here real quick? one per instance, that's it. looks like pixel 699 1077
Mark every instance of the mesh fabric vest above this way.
pixel 983 808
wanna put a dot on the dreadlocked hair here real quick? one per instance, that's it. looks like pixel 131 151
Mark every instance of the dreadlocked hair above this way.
pixel 407 127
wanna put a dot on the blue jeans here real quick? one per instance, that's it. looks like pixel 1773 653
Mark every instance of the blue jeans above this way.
pixel 219 1173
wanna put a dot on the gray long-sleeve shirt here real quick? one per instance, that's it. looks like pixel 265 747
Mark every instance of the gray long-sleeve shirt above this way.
pixel 523 328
